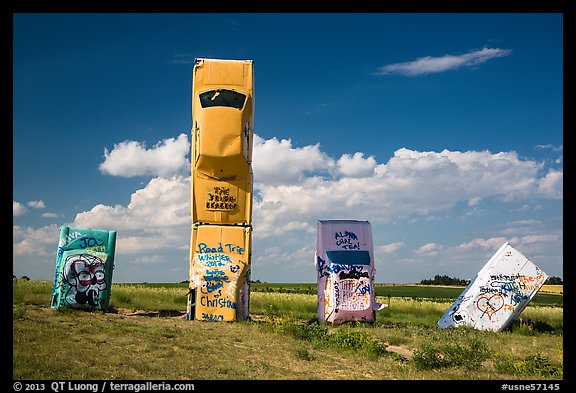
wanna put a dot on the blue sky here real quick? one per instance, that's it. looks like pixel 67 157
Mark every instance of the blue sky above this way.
pixel 445 131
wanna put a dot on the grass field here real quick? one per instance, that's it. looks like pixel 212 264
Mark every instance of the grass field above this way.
pixel 145 336
pixel 548 295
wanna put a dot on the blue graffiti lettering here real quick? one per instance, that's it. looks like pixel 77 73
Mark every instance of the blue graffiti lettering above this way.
pixel 507 287
pixel 214 279
pixel 212 317
pixel 90 242
pixel 217 302
pixel 517 298
pixel 203 248
pixel 336 268
pixel 363 289
pixel 322 267
pixel 214 259
pixel 235 248
pixel 212 287
pixel 346 271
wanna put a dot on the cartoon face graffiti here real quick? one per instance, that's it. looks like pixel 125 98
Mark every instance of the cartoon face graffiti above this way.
pixel 85 275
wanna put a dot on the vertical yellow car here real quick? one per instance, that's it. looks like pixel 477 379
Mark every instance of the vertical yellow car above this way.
pixel 221 192
pixel 222 134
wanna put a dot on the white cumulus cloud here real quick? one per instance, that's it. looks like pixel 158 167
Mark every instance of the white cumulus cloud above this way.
pixel 37 242
pixel 356 165
pixel 552 184
pixel 18 209
pixel 131 158
pixel 277 162
pixel 157 219
pixel 411 183
pixel 37 204
pixel 162 203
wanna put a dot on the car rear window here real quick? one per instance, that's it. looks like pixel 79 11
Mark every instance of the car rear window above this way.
pixel 222 97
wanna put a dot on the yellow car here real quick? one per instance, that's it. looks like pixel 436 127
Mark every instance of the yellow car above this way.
pixel 222 134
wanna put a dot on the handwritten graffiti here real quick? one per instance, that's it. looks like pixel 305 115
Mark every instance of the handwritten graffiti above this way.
pixel 86 242
pixel 69 238
pixel 529 283
pixel 346 287
pixel 347 240
pixel 203 248
pixel 82 241
pixel 324 269
pixel 221 302
pixel 85 275
pixel 489 305
pixel 214 260
pixel 219 198
pixel 216 277
pixel 363 288
pixel 506 292
pixel 213 280
pixel 212 317
pixel 356 272
pixel 352 295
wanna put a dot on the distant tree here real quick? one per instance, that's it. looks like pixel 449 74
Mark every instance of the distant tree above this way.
pixel 553 280
pixel 445 280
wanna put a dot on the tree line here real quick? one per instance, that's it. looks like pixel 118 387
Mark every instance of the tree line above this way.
pixel 446 280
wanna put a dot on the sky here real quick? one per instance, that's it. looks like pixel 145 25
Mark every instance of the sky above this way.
pixel 443 130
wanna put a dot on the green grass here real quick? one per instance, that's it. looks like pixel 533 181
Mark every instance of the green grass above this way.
pixel 282 341
pixel 138 297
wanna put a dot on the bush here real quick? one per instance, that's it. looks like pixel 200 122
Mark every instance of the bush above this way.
pixel 530 365
pixel 356 340
pixel 470 355
pixel 312 332
pixel 429 357
pixel 553 280
pixel 342 338
pixel 304 354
